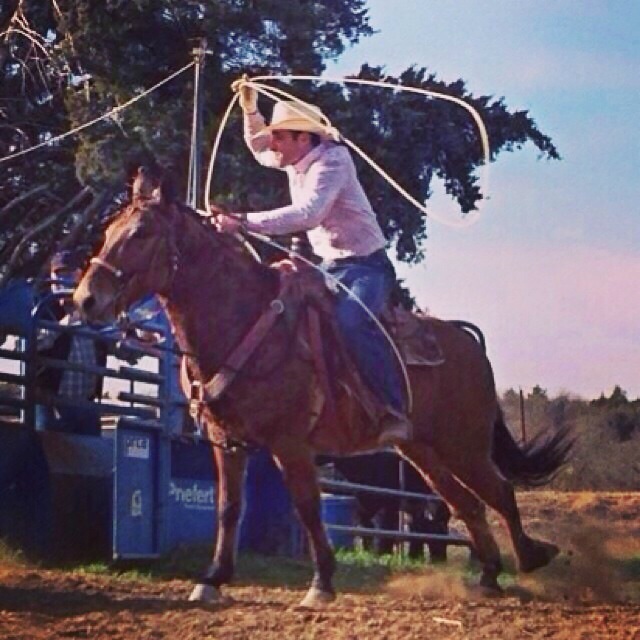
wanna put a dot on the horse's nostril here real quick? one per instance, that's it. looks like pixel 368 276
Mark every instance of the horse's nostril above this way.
pixel 88 303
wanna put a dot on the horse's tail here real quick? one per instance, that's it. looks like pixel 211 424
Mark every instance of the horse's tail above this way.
pixel 534 463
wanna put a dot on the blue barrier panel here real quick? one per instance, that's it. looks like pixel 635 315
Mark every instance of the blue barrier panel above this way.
pixel 135 498
pixel 191 501
pixel 339 510
pixel 26 518
pixel 191 511
pixel 269 524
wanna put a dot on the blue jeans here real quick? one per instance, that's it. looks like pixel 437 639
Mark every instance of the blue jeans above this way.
pixel 371 279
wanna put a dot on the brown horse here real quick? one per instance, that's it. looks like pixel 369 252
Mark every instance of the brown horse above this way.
pixel 213 292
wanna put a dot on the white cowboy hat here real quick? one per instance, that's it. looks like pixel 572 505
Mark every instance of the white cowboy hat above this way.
pixel 297 116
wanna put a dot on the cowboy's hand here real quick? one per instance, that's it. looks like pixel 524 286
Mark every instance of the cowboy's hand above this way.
pixel 228 224
pixel 248 95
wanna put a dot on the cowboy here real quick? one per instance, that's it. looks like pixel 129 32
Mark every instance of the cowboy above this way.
pixel 328 203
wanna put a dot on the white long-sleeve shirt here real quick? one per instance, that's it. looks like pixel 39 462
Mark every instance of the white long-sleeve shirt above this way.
pixel 327 199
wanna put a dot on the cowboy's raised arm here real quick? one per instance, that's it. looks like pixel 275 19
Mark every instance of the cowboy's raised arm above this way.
pixel 258 144
pixel 253 124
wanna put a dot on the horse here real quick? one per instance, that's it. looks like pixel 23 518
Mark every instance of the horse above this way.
pixel 215 294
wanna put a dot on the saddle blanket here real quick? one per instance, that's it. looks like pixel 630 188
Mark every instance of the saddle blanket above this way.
pixel 414 335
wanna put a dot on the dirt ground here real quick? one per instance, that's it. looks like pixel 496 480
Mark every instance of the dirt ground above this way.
pixel 591 591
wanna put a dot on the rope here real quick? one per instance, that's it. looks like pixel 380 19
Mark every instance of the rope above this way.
pixel 109 114
pixel 332 131
pixel 273 93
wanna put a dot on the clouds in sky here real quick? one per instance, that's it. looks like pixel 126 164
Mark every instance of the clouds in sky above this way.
pixel 551 270
pixel 558 316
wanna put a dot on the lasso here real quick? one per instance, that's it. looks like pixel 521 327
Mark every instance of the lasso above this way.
pixel 274 93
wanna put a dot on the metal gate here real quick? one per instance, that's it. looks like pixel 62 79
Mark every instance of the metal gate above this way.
pixel 398 535
pixel 151 507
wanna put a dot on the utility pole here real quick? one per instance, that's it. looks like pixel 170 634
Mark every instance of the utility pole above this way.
pixel 523 425
pixel 195 158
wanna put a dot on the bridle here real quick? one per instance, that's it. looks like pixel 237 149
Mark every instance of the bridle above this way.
pixel 117 273
pixel 121 278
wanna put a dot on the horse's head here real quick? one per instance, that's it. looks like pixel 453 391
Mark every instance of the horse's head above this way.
pixel 151 182
pixel 139 255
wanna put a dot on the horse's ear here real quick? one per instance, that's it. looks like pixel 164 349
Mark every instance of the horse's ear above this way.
pixel 145 182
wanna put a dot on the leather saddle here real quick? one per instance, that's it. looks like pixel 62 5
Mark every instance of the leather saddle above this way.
pixel 307 305
pixel 335 369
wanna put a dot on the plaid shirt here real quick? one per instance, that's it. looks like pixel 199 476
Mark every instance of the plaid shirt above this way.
pixel 75 384
pixel 80 384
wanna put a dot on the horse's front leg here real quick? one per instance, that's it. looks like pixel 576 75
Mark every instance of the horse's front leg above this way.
pixel 231 468
pixel 297 466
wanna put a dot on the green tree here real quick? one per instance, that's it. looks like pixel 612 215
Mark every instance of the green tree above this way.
pixel 67 62
pixel 538 394
pixel 618 398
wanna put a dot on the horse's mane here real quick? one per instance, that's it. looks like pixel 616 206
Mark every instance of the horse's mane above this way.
pixel 195 227
pixel 229 243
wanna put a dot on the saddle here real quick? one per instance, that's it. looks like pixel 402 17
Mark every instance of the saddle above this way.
pixel 307 305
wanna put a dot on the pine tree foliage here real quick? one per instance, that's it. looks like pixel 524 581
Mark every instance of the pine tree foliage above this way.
pixel 66 62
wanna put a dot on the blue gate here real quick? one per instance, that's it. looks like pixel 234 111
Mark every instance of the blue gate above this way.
pixel 136 492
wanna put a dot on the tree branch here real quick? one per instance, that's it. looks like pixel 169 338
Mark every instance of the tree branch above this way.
pixel 39 228
pixel 88 215
pixel 20 199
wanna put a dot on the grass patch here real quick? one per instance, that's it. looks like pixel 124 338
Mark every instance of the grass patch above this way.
pixel 142 573
pixel 356 571
pixel 630 568
pixel 12 556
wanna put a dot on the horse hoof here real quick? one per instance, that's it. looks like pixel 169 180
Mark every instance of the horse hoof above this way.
pixel 316 599
pixel 208 594
pixel 488 588
pixel 540 555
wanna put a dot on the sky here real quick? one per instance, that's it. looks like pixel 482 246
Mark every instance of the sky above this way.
pixel 551 270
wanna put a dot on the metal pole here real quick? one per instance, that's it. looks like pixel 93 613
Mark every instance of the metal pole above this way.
pixel 523 426
pixel 402 512
pixel 195 163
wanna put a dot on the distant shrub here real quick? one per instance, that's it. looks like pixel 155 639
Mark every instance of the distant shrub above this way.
pixel 624 423
pixel 606 431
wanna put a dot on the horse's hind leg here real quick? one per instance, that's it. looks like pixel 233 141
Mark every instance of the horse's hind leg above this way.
pixel 298 469
pixel 497 492
pixel 464 504
pixel 231 468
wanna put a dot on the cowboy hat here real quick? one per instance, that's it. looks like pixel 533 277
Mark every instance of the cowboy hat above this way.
pixel 297 116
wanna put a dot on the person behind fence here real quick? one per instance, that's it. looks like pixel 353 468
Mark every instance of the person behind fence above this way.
pixel 68 384
pixel 329 203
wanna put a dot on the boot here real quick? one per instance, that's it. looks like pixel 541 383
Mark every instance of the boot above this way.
pixel 395 428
